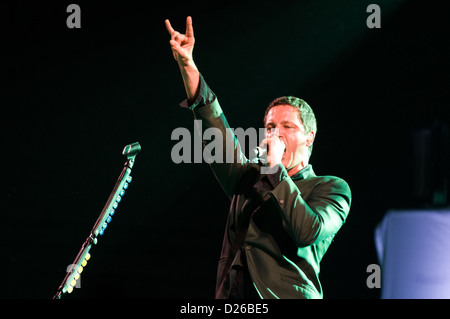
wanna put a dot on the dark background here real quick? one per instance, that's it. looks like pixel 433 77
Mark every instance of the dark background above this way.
pixel 75 97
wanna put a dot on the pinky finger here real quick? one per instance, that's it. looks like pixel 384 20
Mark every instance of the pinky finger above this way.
pixel 169 27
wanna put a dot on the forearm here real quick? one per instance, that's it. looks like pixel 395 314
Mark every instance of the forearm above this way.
pixel 321 216
pixel 227 163
pixel 191 79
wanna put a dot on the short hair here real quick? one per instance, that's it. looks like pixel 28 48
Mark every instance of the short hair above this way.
pixel 305 113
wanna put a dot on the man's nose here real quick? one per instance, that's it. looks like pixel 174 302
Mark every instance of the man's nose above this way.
pixel 274 132
pixel 280 133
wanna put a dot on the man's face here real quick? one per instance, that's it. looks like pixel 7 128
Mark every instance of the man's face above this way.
pixel 284 121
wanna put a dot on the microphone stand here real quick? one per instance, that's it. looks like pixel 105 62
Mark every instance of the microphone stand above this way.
pixel 70 280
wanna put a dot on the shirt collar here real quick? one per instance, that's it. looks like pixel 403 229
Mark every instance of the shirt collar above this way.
pixel 304 173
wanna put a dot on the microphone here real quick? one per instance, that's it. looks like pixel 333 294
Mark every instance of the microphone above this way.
pixel 131 150
pixel 260 154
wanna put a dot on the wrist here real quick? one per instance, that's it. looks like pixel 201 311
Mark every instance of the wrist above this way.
pixel 187 65
pixel 275 163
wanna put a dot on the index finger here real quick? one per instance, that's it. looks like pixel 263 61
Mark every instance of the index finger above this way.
pixel 169 26
pixel 189 28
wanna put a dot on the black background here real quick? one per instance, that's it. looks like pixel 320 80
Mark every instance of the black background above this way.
pixel 76 97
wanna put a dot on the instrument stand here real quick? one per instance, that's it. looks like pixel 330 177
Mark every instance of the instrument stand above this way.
pixel 70 280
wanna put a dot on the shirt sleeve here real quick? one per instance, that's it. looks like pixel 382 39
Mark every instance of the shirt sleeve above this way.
pixel 311 220
pixel 205 96
pixel 279 174
pixel 272 177
pixel 223 152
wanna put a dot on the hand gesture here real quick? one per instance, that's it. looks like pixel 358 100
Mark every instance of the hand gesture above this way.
pixel 182 44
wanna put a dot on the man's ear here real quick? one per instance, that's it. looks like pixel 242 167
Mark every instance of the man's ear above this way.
pixel 310 138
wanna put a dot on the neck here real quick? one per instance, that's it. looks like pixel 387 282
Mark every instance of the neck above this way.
pixel 294 170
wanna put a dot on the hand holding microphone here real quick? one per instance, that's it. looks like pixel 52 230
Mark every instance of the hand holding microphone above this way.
pixel 274 148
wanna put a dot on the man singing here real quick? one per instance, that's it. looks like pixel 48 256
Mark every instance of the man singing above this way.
pixel 281 221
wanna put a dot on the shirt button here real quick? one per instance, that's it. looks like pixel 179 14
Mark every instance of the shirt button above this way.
pixel 281 201
pixel 248 247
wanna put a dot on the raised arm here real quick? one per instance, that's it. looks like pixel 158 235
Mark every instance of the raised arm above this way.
pixel 227 163
pixel 182 48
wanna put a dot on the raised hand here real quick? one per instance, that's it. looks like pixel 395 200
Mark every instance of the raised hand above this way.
pixel 182 44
